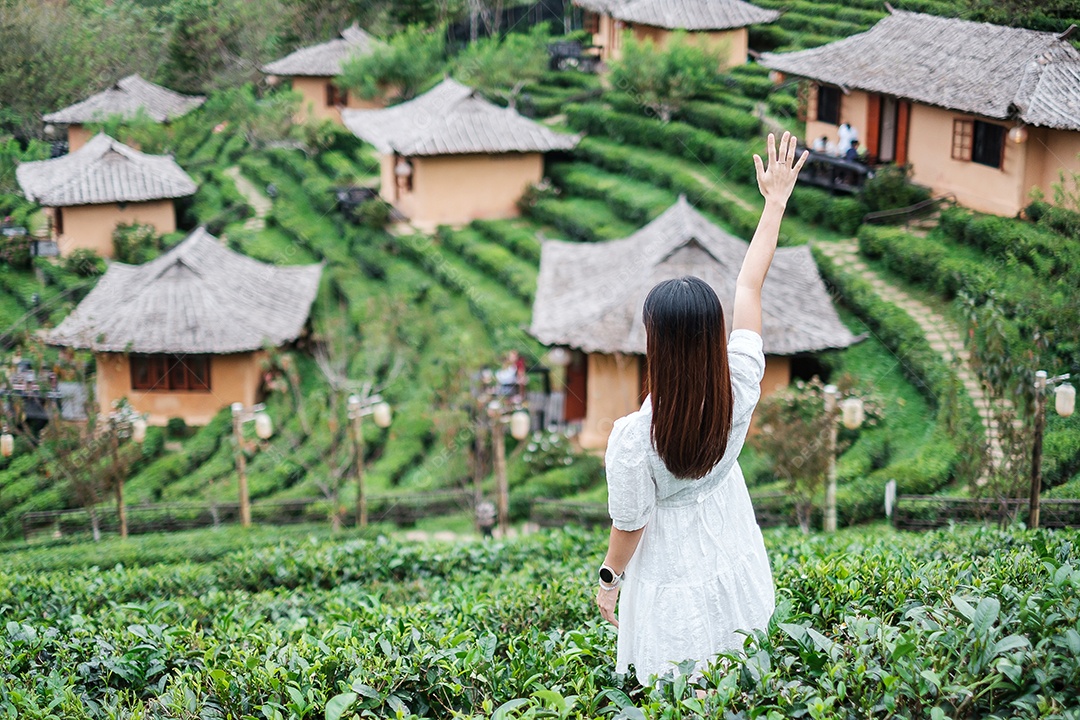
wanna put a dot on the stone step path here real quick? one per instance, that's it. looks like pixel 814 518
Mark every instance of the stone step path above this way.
pixel 941 332
pixel 258 202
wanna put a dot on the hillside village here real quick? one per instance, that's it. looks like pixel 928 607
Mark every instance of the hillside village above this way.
pixel 380 272
pixel 438 230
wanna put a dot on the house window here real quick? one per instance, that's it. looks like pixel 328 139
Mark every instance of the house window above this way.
pixel 336 96
pixel 978 141
pixel 989 146
pixel 828 104
pixel 165 373
pixel 590 22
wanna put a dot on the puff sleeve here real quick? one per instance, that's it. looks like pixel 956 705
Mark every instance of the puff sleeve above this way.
pixel 746 361
pixel 631 489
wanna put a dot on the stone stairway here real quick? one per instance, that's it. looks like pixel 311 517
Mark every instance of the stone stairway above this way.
pixel 258 202
pixel 941 332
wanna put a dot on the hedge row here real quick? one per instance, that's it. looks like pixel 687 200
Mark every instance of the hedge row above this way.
pixel 717 118
pixel 1057 219
pixel 730 158
pixel 494 260
pixel 518 240
pixel 814 205
pixel 580 218
pixel 1049 254
pixel 633 200
pixel 671 173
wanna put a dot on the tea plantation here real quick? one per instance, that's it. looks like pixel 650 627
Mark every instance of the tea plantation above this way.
pixel 959 624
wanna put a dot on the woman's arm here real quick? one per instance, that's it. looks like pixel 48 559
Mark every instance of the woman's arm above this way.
pixel 775 183
pixel 621 547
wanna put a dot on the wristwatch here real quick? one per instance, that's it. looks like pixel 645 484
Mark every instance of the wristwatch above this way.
pixel 609 579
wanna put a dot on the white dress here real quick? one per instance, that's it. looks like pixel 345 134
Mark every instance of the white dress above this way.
pixel 700 572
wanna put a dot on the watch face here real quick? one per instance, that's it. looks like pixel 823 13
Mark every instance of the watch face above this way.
pixel 606 575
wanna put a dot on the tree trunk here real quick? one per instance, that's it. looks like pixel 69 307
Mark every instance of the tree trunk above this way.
pixel 95 524
pixel 803 511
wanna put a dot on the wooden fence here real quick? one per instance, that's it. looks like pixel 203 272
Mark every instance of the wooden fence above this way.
pixel 771 509
pixel 402 510
pixel 926 512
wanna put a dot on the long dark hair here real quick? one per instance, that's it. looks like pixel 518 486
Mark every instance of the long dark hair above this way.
pixel 689 379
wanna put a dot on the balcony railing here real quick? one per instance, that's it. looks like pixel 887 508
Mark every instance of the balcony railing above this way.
pixel 834 173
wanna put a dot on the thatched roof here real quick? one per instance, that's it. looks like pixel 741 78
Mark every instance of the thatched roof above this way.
pixel 199 297
pixel 103 170
pixel 324 59
pixel 989 70
pixel 590 295
pixel 126 98
pixel 452 119
pixel 683 14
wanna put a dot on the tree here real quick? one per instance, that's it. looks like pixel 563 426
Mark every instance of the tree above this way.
pixel 663 79
pixel 793 432
pixel 501 67
pixel 403 66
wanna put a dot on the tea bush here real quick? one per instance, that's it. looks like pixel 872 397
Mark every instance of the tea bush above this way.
pixel 957 623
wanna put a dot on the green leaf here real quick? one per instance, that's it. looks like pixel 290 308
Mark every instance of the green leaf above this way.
pixel 365 690
pixel 932 677
pixel 1012 642
pixel 986 614
pixel 964 607
pixel 504 710
pixel 337 705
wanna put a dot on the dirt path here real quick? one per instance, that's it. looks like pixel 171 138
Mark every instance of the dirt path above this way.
pixel 941 332
pixel 258 202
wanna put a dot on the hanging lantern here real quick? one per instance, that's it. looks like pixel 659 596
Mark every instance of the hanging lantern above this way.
pixel 559 356
pixel 403 169
pixel 776 77
pixel 50 131
pixel 138 430
pixel 264 426
pixel 853 412
pixel 7 444
pixel 1018 134
pixel 1065 400
pixel 520 424
pixel 382 414
pixel 272 80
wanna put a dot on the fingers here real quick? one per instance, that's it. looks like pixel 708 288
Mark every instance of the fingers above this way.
pixel 760 168
pixel 802 160
pixel 782 154
pixel 772 150
pixel 792 147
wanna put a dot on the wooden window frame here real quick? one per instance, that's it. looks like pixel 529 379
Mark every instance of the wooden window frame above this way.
pixel 170 373
pixel 335 96
pixel 819 106
pixel 590 22
pixel 963 139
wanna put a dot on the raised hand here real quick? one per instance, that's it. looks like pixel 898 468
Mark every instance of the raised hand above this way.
pixel 776 181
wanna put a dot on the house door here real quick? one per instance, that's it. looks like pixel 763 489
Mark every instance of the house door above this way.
pixel 887 129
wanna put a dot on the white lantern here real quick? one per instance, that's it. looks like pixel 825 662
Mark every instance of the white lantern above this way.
pixel 50 130
pixel 559 356
pixel 520 424
pixel 776 77
pixel 1018 134
pixel 403 169
pixel 138 430
pixel 1065 400
pixel 382 414
pixel 7 444
pixel 272 80
pixel 853 411
pixel 264 426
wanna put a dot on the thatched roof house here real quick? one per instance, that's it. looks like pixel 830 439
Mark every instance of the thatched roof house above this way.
pixel 103 171
pixel 589 297
pixel 715 22
pixel 324 59
pixel 449 155
pixel 196 318
pixel 312 70
pixel 914 78
pixel 126 98
pixel 102 184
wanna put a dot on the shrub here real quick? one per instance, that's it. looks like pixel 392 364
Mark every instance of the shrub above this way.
pixel 844 214
pixel 664 79
pixel 84 262
pixel 135 243
pixel 891 187
pixel 176 428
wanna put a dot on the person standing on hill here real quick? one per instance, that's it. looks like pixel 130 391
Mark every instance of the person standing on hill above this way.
pixel 685 548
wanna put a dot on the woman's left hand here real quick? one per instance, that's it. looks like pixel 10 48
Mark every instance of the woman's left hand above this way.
pixel 607 601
